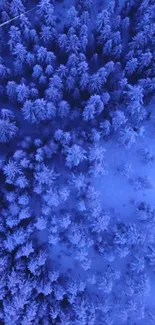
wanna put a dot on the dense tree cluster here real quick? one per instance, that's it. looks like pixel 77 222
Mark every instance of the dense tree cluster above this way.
pixel 66 86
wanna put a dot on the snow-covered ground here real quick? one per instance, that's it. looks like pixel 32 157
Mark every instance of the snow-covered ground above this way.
pixel 116 187
pixel 118 190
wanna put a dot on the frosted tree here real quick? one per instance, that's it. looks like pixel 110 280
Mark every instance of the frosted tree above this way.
pixel 18 68
pixel 50 18
pixel 95 83
pixel 75 155
pixel 95 135
pixel 63 41
pixel 64 319
pixel 94 107
pixel 84 5
pixel 65 220
pixel 102 19
pixel 12 170
pixel 17 7
pixel 44 7
pixel 138 41
pixel 40 106
pixel 118 119
pixel 142 182
pixel 59 292
pixel 142 282
pixel 37 71
pixel 32 36
pixel 49 70
pixel 54 91
pixel 19 237
pixel 64 193
pixel 8 128
pixel 84 37
pixel 73 44
pixel 63 109
pixel 72 19
pixel 51 197
pixel 4 72
pixel 137 264
pixel 45 176
pixel 47 34
pixel 79 182
pixel 101 223
pixel 105 127
pixel 103 73
pixel 135 102
pixel 30 59
pixel 25 250
pixel 30 314
pixel 41 54
pixel 125 23
pixel 148 85
pixel 28 110
pixel 24 23
pixel 131 66
pixel 107 49
pixel 145 60
pixel 20 52
pixel 36 262
pixel 22 93
pixel 11 90
pixel 21 182
pixel 96 153
pixel 147 155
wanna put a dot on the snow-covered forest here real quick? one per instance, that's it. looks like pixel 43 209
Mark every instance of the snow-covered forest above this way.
pixel 77 162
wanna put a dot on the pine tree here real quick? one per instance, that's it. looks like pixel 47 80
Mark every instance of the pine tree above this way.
pixel 46 34
pixel 22 92
pixel 17 7
pixel 73 44
pixel 20 52
pixel 75 155
pixel 63 109
pixel 8 128
pixel 94 107
pixel 28 110
pixel 131 66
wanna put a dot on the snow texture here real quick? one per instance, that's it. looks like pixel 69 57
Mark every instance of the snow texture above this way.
pixel 77 155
